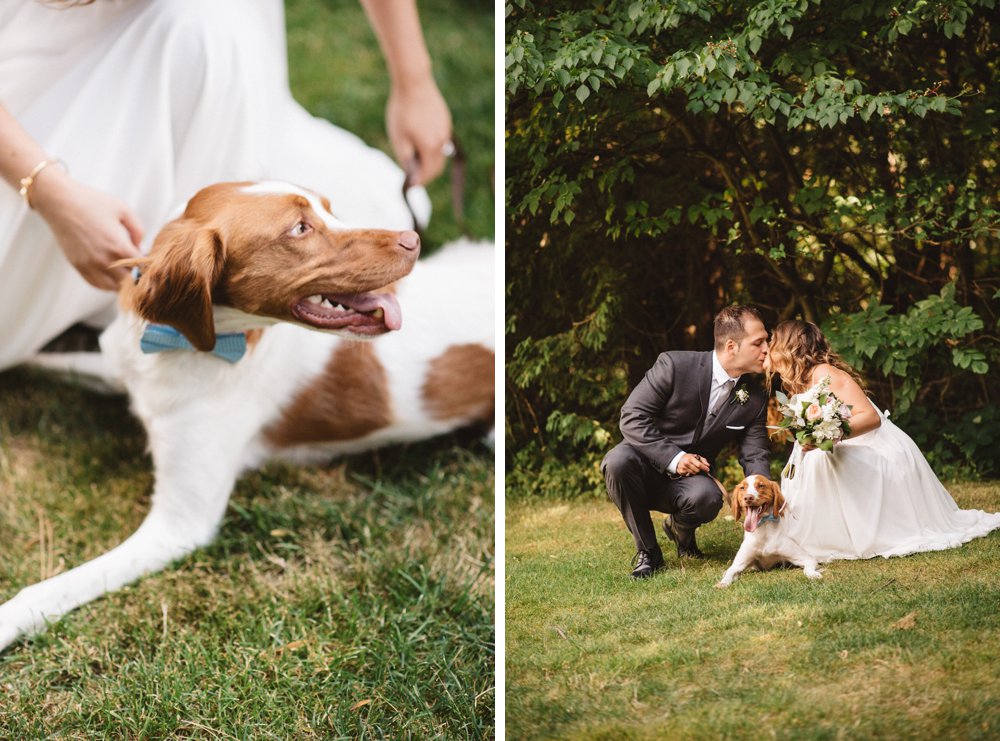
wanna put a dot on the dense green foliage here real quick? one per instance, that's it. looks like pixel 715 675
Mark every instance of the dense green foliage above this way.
pixel 834 162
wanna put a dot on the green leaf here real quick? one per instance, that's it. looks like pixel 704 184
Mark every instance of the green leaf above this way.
pixel 582 93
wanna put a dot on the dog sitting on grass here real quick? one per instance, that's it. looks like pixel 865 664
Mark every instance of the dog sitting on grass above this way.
pixel 759 503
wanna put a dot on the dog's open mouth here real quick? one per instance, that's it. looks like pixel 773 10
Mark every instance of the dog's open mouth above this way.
pixel 360 313
pixel 752 518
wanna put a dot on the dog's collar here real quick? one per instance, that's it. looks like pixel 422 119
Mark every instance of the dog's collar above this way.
pixel 769 518
pixel 231 346
pixel 160 338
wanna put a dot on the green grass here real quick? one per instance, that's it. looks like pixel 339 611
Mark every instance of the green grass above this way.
pixel 592 654
pixel 351 601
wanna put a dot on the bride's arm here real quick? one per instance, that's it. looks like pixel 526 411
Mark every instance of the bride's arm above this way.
pixel 864 418
pixel 93 229
pixel 417 118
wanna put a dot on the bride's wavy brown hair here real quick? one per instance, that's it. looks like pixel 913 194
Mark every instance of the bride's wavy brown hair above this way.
pixel 798 347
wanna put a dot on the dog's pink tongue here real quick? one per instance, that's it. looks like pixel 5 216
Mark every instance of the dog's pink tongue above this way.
pixel 393 315
pixel 752 519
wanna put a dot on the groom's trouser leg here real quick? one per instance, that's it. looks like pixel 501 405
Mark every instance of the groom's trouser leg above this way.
pixel 636 487
pixel 693 501
pixel 632 483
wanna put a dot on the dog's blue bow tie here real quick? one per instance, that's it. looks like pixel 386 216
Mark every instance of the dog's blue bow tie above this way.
pixel 159 337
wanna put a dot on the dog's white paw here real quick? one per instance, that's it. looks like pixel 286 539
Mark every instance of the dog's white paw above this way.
pixel 722 584
pixel 813 575
pixel 8 635
pixel 21 616
pixel 13 623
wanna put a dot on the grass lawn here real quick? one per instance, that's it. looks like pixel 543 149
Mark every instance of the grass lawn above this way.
pixel 348 601
pixel 351 601
pixel 887 648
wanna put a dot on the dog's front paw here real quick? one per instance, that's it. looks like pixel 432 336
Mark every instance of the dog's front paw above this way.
pixel 21 616
pixel 722 583
pixel 11 625
pixel 8 634
pixel 813 574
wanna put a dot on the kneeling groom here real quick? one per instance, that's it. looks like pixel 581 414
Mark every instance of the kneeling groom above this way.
pixel 686 408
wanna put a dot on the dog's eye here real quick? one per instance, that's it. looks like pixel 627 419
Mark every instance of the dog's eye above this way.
pixel 299 229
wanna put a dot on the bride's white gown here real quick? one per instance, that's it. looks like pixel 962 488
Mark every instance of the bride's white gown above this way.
pixel 150 100
pixel 874 495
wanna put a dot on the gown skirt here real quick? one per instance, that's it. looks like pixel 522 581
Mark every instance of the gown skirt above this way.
pixel 150 101
pixel 874 495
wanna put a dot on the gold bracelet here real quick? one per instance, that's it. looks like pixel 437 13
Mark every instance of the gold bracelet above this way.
pixel 29 179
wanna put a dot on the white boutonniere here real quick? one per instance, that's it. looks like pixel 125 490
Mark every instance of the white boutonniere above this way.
pixel 742 395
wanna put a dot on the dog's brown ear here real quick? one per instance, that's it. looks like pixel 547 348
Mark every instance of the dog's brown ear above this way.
pixel 177 278
pixel 778 508
pixel 737 500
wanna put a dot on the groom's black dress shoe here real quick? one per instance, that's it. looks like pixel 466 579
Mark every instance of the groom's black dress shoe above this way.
pixel 647 563
pixel 687 547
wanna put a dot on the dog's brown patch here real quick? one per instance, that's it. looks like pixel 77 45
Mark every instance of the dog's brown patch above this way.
pixel 459 384
pixel 349 400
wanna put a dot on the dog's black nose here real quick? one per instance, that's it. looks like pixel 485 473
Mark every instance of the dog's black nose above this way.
pixel 409 241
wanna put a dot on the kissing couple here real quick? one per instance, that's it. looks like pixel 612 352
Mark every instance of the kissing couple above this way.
pixel 874 494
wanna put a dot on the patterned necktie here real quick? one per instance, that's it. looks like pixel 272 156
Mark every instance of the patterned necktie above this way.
pixel 727 389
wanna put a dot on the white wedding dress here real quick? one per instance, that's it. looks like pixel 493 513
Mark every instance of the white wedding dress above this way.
pixel 150 100
pixel 874 495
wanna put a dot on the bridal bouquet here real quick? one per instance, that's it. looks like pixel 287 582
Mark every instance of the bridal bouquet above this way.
pixel 816 417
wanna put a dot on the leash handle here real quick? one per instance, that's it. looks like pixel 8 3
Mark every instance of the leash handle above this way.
pixel 457 158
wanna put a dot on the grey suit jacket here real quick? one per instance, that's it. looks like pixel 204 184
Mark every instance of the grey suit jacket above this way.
pixel 665 414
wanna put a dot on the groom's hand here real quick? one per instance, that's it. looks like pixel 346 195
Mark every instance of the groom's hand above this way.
pixel 692 464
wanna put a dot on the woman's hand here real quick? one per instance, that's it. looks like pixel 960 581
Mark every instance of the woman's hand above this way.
pixel 416 117
pixel 93 229
pixel 419 126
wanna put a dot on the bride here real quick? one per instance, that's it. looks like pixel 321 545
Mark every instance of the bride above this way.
pixel 874 494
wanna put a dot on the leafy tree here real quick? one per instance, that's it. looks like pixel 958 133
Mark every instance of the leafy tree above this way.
pixel 834 161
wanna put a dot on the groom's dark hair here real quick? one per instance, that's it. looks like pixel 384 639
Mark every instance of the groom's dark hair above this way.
pixel 729 323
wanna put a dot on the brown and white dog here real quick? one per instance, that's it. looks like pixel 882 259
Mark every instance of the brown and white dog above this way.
pixel 758 501
pixel 251 271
